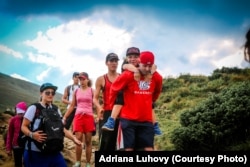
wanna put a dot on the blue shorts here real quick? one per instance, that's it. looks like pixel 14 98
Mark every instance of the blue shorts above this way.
pixel 137 135
pixel 37 159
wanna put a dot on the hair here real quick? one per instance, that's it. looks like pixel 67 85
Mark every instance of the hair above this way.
pixel 125 61
pixel 247 47
pixel 89 83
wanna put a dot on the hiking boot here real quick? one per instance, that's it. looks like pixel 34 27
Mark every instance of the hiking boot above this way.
pixel 109 125
pixel 157 129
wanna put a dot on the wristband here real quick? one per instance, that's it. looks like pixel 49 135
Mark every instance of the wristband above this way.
pixel 31 135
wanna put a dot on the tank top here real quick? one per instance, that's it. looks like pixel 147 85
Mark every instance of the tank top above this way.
pixel 84 101
pixel 105 91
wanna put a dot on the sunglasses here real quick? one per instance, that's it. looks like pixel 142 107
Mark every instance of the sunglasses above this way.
pixel 49 93
pixel 82 79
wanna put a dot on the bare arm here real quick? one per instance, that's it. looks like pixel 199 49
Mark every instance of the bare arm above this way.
pixel 71 107
pixel 154 68
pixel 65 96
pixel 70 136
pixel 98 87
pixel 129 67
pixel 39 135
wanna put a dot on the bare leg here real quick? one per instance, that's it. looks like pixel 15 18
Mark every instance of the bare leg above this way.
pixel 88 139
pixel 79 136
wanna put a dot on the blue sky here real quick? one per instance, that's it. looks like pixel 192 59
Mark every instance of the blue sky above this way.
pixel 46 41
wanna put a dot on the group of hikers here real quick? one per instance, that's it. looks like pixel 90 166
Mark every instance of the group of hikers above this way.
pixel 124 104
pixel 125 113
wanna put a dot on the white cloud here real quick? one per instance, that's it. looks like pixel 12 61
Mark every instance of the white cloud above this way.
pixel 233 60
pixel 81 45
pixel 219 52
pixel 19 77
pixel 43 75
pixel 9 51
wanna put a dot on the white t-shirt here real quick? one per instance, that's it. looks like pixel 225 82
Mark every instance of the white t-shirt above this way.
pixel 30 114
pixel 71 92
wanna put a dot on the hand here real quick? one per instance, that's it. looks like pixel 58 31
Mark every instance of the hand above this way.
pixel 64 120
pixel 154 67
pixel 148 77
pixel 137 76
pixel 39 136
pixel 100 114
pixel 97 120
pixel 76 141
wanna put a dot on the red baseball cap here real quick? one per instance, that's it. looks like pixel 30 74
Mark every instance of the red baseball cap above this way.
pixel 147 57
pixel 83 75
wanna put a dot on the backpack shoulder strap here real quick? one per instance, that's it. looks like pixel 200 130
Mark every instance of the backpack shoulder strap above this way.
pixel 54 107
pixel 68 89
pixel 39 108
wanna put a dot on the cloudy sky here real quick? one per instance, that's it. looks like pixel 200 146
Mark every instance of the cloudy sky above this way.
pixel 47 40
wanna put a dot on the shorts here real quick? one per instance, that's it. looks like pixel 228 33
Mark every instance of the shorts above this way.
pixel 83 123
pixel 119 99
pixel 107 139
pixel 137 135
pixel 38 159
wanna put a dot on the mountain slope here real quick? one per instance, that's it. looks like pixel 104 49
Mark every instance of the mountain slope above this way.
pixel 13 90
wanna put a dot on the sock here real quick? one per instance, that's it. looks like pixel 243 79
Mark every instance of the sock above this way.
pixel 77 163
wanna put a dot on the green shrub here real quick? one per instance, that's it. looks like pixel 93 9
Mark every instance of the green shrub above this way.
pixel 217 123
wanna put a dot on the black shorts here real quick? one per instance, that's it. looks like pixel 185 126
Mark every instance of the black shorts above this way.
pixel 119 99
pixel 137 135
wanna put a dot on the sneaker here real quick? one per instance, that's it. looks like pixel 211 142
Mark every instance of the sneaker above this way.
pixel 87 164
pixel 157 129
pixel 77 164
pixel 109 125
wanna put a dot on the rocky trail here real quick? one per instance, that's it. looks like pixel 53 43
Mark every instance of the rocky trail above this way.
pixel 68 152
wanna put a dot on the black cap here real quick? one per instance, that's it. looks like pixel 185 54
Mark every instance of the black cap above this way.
pixel 75 74
pixel 133 50
pixel 47 86
pixel 111 56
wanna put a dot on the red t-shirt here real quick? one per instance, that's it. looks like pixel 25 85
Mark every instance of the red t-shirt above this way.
pixel 138 96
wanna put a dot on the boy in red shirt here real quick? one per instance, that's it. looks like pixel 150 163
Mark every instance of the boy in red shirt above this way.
pixel 136 114
pixel 130 63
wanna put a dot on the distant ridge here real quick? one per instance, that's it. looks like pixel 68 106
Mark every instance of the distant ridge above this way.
pixel 13 90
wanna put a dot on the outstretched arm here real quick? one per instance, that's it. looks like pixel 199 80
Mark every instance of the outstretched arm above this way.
pixel 98 87
pixel 71 107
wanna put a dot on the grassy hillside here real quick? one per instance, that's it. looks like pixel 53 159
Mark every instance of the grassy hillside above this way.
pixel 186 92
pixel 13 90
pixel 178 96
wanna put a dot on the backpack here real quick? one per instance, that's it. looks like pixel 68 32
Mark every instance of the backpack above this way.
pixel 70 87
pixel 51 124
